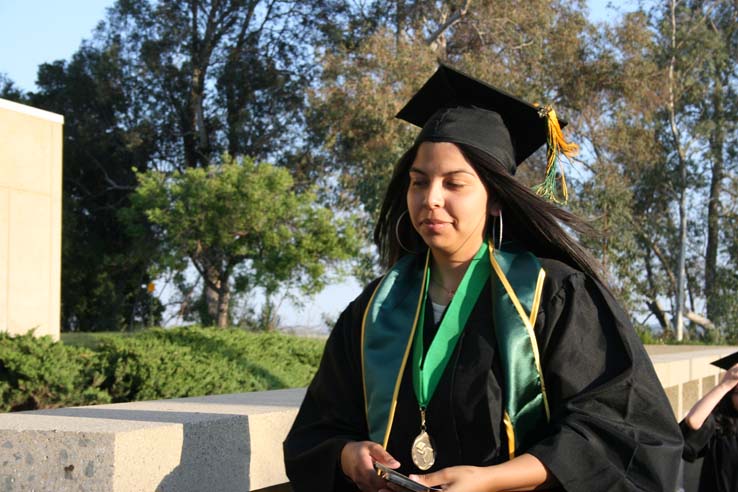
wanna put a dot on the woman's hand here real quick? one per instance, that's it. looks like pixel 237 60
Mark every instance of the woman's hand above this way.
pixel 357 463
pixel 458 479
pixel 524 472
pixel 702 409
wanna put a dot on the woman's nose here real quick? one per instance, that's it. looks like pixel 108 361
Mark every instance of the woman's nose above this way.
pixel 434 196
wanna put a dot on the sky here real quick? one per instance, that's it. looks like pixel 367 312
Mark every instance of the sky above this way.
pixel 42 31
pixel 33 32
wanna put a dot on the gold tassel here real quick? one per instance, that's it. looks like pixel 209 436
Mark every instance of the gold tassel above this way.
pixel 556 146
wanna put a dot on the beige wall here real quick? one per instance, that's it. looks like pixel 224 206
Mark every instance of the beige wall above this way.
pixel 685 372
pixel 30 219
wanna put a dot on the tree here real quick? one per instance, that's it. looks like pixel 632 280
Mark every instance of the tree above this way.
pixel 652 100
pixel 219 75
pixel 727 278
pixel 377 54
pixel 168 85
pixel 243 226
pixel 660 119
pixel 216 76
pixel 718 121
pixel 104 272
pixel 696 41
pixel 9 91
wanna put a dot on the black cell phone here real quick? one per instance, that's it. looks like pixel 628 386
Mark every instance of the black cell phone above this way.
pixel 403 481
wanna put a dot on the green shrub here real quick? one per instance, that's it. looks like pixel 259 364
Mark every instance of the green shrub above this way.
pixel 273 360
pixel 152 364
pixel 145 368
pixel 40 373
pixel 647 336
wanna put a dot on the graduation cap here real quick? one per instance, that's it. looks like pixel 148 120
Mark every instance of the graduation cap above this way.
pixel 454 107
pixel 726 362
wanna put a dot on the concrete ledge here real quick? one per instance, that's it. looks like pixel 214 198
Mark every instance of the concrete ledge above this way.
pixel 224 443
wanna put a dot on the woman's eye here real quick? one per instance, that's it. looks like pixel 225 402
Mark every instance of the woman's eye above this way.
pixel 416 183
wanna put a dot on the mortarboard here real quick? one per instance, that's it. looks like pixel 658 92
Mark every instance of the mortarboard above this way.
pixel 454 107
pixel 726 362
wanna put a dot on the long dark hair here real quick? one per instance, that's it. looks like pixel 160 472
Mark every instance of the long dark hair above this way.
pixel 535 223
pixel 726 416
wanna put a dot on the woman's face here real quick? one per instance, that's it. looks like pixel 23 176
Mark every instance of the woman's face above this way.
pixel 447 202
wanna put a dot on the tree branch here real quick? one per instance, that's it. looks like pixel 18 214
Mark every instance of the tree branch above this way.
pixel 453 19
pixel 201 269
pixel 655 307
pixel 700 320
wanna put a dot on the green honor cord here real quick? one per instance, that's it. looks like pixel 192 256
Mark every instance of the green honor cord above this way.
pixel 427 372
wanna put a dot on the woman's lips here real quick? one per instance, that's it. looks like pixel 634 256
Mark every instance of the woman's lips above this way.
pixel 433 225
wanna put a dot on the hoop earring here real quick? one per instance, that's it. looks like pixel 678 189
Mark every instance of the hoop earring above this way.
pixel 497 238
pixel 397 234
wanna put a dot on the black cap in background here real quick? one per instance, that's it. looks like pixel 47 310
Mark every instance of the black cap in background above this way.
pixel 726 362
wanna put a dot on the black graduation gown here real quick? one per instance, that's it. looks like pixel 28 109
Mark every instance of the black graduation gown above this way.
pixel 611 425
pixel 719 452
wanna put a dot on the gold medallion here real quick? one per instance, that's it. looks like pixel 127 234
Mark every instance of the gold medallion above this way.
pixel 422 451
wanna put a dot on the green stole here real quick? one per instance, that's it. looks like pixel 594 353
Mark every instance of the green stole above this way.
pixel 390 324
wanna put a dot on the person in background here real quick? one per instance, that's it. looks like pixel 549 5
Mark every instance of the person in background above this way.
pixel 710 431
pixel 489 357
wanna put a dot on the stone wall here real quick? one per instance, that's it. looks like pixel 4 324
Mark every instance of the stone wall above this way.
pixel 30 219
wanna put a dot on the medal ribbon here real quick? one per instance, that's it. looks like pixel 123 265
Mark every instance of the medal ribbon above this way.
pixel 427 371
pixel 516 294
pixel 393 315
